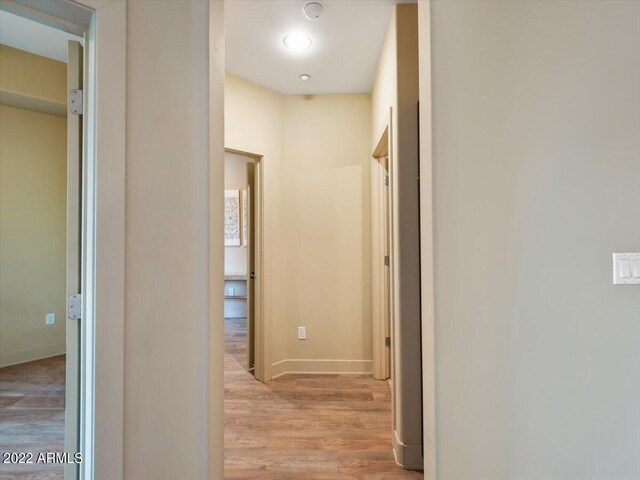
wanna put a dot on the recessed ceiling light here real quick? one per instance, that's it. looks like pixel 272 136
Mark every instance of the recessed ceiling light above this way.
pixel 297 41
pixel 305 77
pixel 313 10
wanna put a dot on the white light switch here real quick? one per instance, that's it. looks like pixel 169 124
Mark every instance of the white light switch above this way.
pixel 302 333
pixel 626 268
pixel 50 319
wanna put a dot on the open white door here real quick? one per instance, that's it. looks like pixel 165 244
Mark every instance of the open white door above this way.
pixel 386 244
pixel 74 308
pixel 251 265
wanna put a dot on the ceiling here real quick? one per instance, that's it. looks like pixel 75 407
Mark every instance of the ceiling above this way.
pixel 347 41
pixel 34 37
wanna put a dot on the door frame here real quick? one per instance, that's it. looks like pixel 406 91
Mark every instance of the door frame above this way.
pixel 381 302
pixel 75 142
pixel 101 418
pixel 260 346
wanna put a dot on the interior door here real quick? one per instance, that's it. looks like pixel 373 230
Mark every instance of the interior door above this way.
pixel 386 245
pixel 251 264
pixel 73 287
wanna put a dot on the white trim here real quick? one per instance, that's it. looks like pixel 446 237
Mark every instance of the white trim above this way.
pixel 103 422
pixel 320 366
pixel 427 279
pixel 406 456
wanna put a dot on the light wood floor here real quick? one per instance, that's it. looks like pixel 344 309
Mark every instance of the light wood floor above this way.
pixel 296 427
pixel 32 416
pixel 304 427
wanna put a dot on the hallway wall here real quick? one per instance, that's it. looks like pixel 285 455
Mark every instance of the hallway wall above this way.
pixel 173 348
pixel 327 213
pixel 394 106
pixel 317 214
pixel 254 122
pixel 536 161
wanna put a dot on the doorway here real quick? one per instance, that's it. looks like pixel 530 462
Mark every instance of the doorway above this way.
pixel 330 329
pixel 381 201
pixel 242 248
pixel 42 163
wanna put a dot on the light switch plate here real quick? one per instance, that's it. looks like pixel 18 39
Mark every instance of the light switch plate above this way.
pixel 626 268
pixel 50 319
pixel 302 333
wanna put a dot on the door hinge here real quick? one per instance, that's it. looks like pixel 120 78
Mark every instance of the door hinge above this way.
pixel 76 104
pixel 74 306
pixel 387 342
pixel 386 180
pixel 387 260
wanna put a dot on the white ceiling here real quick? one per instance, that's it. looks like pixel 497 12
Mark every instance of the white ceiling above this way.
pixel 347 40
pixel 34 37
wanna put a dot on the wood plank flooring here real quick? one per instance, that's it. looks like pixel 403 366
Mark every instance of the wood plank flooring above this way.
pixel 296 427
pixel 304 427
pixel 32 416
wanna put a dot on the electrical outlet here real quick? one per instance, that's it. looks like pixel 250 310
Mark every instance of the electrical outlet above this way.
pixel 50 319
pixel 302 333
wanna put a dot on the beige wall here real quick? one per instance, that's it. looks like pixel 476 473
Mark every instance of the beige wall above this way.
pixel 173 314
pixel 32 234
pixel 32 209
pixel 31 81
pixel 536 153
pixel 326 212
pixel 254 121
pixel 396 88
pixel 316 220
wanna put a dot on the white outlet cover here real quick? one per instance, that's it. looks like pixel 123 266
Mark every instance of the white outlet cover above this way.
pixel 626 268
pixel 50 319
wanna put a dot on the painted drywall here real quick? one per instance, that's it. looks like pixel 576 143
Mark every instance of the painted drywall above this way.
pixel 174 190
pixel 327 212
pixel 32 234
pixel 429 445
pixel 254 121
pixel 32 209
pixel 316 222
pixel 536 161
pixel 394 102
pixel 32 82
pixel 215 412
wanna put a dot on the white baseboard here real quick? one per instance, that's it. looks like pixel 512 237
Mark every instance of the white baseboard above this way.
pixel 31 355
pixel 408 457
pixel 303 365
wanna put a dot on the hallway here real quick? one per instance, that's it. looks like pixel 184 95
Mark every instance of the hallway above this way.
pixel 316 427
